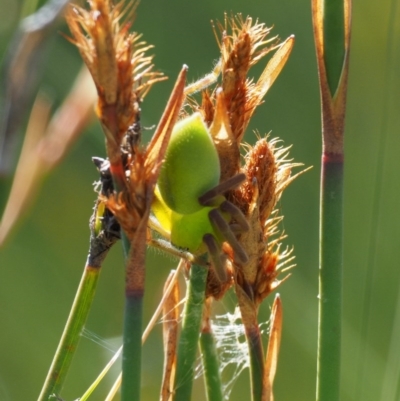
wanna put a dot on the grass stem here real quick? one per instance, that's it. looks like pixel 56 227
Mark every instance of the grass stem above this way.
pixel 256 362
pixel 209 355
pixel 132 352
pixel 332 28
pixel 189 338
pixel 72 333
pixel 330 281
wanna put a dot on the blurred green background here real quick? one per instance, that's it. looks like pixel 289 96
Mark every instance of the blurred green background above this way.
pixel 41 264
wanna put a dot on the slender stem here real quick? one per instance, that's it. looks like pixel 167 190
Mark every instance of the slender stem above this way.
pixel 330 280
pixel 72 333
pixel 256 362
pixel 132 352
pixel 189 337
pixel 101 241
pixel 133 315
pixel 209 355
pixel 212 374
pixel 332 30
pixel 334 33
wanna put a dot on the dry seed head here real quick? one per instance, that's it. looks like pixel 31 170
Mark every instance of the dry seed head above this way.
pixel 93 35
pixel 268 172
pixel 116 59
pixel 130 205
pixel 260 168
pixel 243 44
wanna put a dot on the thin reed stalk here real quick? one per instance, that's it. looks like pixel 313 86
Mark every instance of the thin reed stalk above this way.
pixel 100 243
pixel 189 338
pixel 331 21
pixel 209 355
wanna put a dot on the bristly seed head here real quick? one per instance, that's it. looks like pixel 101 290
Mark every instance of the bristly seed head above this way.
pixel 227 111
pixel 117 61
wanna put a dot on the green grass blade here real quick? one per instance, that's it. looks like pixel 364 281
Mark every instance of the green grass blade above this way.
pixel 212 376
pixel 188 341
pixel 72 333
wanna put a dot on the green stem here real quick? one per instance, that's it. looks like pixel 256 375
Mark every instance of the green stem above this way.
pixel 132 350
pixel 330 279
pixel 101 241
pixel 72 333
pixel 212 374
pixel 133 315
pixel 189 337
pixel 334 49
pixel 256 362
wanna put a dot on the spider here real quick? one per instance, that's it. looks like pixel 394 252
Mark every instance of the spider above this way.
pixel 189 201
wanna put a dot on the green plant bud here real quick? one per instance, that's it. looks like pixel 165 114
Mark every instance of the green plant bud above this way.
pixel 191 166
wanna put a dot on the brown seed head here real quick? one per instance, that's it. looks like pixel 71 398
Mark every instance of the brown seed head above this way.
pixel 116 59
pixel 243 44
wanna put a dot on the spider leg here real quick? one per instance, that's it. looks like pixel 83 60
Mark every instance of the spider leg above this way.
pixel 222 226
pixel 204 82
pixel 214 251
pixel 235 228
pixel 236 213
pixel 208 198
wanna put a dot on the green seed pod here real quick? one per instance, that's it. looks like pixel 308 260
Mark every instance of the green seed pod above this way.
pixel 191 166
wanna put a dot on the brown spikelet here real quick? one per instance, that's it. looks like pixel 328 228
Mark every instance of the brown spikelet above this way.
pixel 261 168
pixel 119 66
pixel 243 44
pixel 268 172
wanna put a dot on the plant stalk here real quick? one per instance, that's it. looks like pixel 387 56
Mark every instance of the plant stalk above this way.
pixel 332 26
pixel 190 333
pixel 101 241
pixel 72 333
pixel 133 315
pixel 254 342
pixel 330 280
pixel 209 355
pixel 210 361
pixel 132 352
